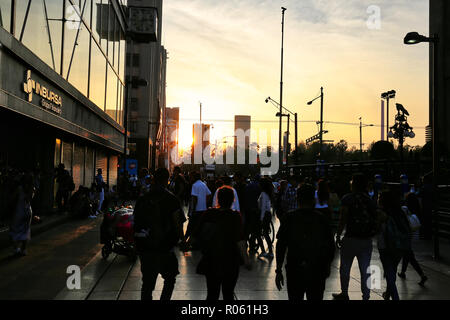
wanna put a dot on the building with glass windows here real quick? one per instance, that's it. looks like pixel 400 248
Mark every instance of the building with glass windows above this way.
pixel 147 104
pixel 62 69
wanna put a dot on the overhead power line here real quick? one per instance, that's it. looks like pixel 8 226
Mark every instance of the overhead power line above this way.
pixel 275 121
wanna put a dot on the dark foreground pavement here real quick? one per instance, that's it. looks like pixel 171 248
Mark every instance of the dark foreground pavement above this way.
pixel 43 273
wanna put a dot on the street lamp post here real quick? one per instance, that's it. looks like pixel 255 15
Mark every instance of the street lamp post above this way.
pixel 411 39
pixel 321 118
pixel 286 149
pixel 269 99
pixel 387 96
pixel 281 85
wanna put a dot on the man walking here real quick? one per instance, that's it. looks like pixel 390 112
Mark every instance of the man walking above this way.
pixel 158 225
pixel 200 194
pixel 308 239
pixel 178 184
pixel 358 216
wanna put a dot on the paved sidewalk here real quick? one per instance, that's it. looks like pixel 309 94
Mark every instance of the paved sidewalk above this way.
pixel 118 278
pixel 48 222
pixel 43 272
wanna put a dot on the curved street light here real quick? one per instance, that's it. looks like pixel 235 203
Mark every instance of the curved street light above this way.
pixel 415 38
pixel 321 118
pixel 276 105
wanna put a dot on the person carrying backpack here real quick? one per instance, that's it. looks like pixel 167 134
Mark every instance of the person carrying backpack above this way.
pixel 307 236
pixel 393 240
pixel 358 215
pixel 158 226
pixel 221 239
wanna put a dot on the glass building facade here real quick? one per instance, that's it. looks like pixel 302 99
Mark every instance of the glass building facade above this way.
pixel 88 50
pixel 74 50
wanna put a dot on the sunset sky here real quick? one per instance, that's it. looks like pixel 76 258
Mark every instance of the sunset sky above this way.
pixel 226 54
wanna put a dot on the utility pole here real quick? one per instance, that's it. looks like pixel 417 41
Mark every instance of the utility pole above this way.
pixel 360 135
pixel 287 140
pixel 280 155
pixel 296 138
pixel 321 121
pixel 200 113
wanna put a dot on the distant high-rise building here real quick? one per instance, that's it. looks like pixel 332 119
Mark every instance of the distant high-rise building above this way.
pixel 172 123
pixel 147 104
pixel 242 123
pixel 201 139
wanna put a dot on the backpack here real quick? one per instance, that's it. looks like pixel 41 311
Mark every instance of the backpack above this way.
pixel 363 221
pixel 152 229
pixel 313 247
pixel 396 235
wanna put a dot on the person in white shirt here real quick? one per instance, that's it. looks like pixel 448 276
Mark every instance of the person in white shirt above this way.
pixel 265 206
pixel 199 196
pixel 235 206
pixel 199 193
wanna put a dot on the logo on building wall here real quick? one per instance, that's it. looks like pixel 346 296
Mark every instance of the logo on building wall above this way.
pixel 50 100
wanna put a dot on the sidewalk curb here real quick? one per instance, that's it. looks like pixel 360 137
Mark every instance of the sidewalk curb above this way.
pixel 36 229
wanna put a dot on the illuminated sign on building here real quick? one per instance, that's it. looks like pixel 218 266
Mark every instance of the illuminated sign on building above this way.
pixel 50 100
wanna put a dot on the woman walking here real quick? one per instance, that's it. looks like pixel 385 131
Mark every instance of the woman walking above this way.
pixel 412 208
pixel 265 205
pixel 20 231
pixel 393 240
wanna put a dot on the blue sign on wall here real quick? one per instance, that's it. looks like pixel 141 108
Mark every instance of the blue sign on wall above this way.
pixel 132 166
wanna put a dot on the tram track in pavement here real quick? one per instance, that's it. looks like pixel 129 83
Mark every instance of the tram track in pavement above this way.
pixel 117 271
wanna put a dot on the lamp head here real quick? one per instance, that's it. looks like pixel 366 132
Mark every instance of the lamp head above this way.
pixel 415 38
pixel 310 103
pixel 267 100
